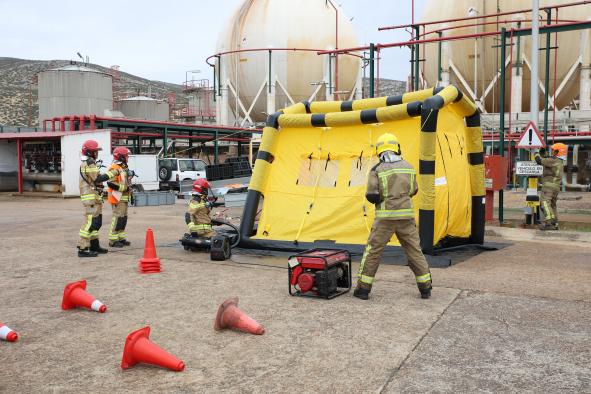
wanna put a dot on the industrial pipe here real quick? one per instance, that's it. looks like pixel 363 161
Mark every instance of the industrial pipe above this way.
pixel 19 160
pixel 268 49
pixel 555 6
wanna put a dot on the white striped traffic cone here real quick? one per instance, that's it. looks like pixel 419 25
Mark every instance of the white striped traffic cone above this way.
pixel 7 334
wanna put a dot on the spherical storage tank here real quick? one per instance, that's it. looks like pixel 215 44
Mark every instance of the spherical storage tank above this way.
pixel 276 24
pixel 146 108
pixel 488 56
pixel 74 90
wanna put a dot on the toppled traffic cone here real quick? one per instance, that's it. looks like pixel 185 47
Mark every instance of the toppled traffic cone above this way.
pixel 7 334
pixel 150 263
pixel 75 295
pixel 230 316
pixel 139 349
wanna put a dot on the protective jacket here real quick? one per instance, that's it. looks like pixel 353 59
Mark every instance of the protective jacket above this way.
pixel 390 187
pixel 119 184
pixel 552 175
pixel 91 188
pixel 197 216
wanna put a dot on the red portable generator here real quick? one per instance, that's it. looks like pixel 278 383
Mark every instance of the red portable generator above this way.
pixel 324 273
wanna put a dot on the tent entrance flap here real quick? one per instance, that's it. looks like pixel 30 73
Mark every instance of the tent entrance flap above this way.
pixel 313 189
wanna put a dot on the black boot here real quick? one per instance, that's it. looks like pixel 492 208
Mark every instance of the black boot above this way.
pixel 96 247
pixel 86 253
pixel 425 293
pixel 116 244
pixel 125 242
pixel 362 294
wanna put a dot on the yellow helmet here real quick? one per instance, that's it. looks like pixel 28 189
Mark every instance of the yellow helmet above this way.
pixel 386 142
pixel 559 149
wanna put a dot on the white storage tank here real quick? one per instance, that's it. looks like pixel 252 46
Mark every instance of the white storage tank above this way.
pixel 74 90
pixel 303 24
pixel 461 53
pixel 146 108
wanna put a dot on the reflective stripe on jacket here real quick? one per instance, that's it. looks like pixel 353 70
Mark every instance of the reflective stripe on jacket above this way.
pixel 390 187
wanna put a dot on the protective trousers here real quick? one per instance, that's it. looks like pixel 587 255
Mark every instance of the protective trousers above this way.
pixel 548 204
pixel 118 222
pixel 93 215
pixel 381 233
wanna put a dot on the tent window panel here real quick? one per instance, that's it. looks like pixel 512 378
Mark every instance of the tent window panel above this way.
pixel 323 171
pixel 360 169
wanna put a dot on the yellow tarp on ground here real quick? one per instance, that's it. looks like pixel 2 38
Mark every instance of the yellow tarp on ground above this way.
pixel 324 171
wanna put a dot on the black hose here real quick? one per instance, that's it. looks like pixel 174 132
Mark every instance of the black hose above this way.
pixel 217 222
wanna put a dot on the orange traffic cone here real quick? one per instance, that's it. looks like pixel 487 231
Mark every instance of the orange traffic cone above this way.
pixel 150 263
pixel 7 334
pixel 230 316
pixel 139 349
pixel 76 296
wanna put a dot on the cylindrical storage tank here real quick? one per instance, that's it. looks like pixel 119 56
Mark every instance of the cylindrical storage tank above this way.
pixel 302 24
pixel 462 53
pixel 146 108
pixel 74 90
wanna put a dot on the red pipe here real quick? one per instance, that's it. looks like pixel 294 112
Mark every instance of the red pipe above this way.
pixel 489 23
pixel 19 160
pixel 63 123
pixel 52 124
pixel 440 39
pixel 92 120
pixel 72 122
pixel 188 125
pixel 81 124
pixel 555 6
pixel 268 49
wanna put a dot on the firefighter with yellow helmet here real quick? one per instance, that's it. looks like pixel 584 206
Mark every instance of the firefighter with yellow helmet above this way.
pixel 91 194
pixel 391 185
pixel 553 163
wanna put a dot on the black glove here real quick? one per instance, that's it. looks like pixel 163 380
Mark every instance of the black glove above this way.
pixel 130 173
pixel 543 151
pixel 113 186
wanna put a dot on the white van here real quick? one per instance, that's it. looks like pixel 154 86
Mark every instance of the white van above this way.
pixel 173 171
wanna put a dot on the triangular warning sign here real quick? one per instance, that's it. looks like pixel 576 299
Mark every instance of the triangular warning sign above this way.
pixel 530 138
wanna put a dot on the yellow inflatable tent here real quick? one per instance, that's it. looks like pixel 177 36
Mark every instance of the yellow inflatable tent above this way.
pixel 311 171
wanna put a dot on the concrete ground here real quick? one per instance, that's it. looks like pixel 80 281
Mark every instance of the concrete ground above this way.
pixel 512 320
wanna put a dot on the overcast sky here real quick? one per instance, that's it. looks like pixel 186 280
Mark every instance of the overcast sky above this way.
pixel 161 40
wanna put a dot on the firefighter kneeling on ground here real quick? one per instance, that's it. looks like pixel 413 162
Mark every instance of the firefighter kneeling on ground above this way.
pixel 391 184
pixel 553 164
pixel 119 197
pixel 91 194
pixel 197 216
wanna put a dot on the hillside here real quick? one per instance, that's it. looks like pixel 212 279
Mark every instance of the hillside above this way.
pixel 16 74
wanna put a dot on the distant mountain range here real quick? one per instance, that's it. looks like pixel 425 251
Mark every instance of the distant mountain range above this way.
pixel 17 75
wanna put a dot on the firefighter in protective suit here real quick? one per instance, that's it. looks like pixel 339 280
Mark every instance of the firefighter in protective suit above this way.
pixel 551 182
pixel 91 194
pixel 119 197
pixel 391 184
pixel 197 216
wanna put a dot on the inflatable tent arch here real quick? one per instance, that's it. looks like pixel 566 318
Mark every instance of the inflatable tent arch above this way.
pixel 313 161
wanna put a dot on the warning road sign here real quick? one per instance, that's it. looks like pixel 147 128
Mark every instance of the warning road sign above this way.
pixel 531 138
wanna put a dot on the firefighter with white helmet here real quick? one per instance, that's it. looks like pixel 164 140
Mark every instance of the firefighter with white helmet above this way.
pixel 553 163
pixel 391 184
pixel 91 194
pixel 197 216
pixel 119 197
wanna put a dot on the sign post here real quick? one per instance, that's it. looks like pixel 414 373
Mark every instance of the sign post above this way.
pixel 530 139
